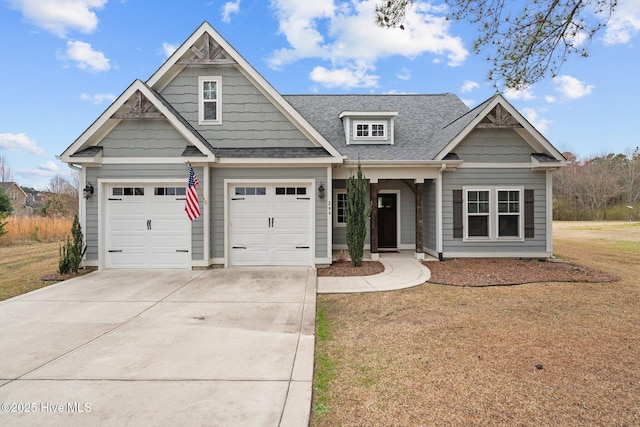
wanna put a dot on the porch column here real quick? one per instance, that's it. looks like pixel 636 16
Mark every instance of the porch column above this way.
pixel 374 187
pixel 419 220
pixel 417 188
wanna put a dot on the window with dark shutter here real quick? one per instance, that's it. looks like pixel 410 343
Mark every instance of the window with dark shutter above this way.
pixel 457 214
pixel 529 229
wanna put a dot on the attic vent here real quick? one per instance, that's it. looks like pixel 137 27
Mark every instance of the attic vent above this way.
pixel 140 108
pixel 498 118
pixel 208 54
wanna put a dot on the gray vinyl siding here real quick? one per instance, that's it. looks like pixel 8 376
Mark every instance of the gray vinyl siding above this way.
pixel 143 138
pixel 134 173
pixel 494 146
pixel 535 180
pixel 429 212
pixel 216 197
pixel 249 119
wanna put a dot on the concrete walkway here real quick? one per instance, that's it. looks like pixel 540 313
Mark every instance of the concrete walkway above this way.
pixel 223 347
pixel 401 270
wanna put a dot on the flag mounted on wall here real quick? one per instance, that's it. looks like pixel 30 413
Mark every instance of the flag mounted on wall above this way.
pixel 192 205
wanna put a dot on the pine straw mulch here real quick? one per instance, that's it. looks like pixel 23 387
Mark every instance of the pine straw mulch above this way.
pixel 510 271
pixel 484 271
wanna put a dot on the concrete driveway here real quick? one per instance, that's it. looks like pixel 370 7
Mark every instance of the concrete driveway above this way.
pixel 224 347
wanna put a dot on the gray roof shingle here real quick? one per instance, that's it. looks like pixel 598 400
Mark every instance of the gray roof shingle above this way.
pixel 417 127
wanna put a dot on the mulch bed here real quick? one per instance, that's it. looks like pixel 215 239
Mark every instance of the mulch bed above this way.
pixel 484 271
pixel 510 271
pixel 345 269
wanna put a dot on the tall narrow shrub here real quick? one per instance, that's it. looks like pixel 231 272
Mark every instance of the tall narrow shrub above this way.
pixel 72 251
pixel 357 213
pixel 3 223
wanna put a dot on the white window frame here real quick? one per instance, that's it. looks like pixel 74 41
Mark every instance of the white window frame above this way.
pixel 494 215
pixel 202 100
pixel 336 207
pixel 369 124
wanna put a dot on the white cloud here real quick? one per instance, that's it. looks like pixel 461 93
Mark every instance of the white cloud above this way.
pixel 168 49
pixel 19 142
pixel 550 99
pixel 404 74
pixel 522 94
pixel 48 166
pixel 85 57
pixel 230 8
pixel 61 16
pixel 469 86
pixel 538 122
pixel 572 88
pixel 343 78
pixel 98 98
pixel 624 23
pixel 345 34
pixel 469 102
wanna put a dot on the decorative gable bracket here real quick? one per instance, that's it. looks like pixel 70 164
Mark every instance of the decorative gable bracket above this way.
pixel 141 108
pixel 499 118
pixel 208 55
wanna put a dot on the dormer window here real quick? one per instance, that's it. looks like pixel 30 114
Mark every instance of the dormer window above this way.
pixel 369 130
pixel 368 127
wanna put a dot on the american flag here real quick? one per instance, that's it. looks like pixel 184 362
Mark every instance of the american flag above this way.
pixel 192 205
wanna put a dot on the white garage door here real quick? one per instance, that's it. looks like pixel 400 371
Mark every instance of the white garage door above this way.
pixel 147 227
pixel 270 224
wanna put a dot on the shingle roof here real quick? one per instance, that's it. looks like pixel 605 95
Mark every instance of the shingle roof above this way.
pixel 417 127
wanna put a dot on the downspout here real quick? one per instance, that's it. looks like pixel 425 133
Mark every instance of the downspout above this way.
pixel 439 233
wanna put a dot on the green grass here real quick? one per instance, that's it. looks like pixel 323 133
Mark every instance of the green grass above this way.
pixel 324 366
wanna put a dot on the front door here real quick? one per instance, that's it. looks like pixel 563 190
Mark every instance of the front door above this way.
pixel 387 221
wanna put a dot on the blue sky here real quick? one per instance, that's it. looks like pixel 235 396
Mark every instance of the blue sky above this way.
pixel 64 61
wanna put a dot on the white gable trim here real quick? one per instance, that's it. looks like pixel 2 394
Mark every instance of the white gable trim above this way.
pixel 534 138
pixel 104 124
pixel 170 69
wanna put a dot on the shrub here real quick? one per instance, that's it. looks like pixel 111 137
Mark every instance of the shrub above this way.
pixel 72 251
pixel 3 215
pixel 357 213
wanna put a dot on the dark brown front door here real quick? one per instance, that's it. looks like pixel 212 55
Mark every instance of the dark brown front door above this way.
pixel 387 221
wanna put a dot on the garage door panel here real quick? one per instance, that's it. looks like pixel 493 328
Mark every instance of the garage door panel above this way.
pixel 145 230
pixel 271 229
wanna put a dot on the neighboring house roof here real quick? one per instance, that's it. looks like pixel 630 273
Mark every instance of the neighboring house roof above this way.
pixel 6 185
pixel 419 119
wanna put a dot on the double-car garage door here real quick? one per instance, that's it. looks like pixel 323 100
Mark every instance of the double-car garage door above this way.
pixel 267 224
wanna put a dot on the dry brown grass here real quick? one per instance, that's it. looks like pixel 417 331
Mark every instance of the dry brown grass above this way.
pixel 561 354
pixel 23 266
pixel 21 229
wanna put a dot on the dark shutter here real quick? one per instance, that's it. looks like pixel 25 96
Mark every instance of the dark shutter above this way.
pixel 457 214
pixel 529 228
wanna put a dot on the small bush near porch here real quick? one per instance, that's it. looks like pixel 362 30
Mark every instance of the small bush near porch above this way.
pixel 561 354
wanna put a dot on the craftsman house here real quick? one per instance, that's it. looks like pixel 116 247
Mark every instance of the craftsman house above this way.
pixel 444 180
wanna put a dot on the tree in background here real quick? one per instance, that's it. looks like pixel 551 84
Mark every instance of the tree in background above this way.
pixel 596 187
pixel 5 210
pixel 6 174
pixel 357 213
pixel 62 199
pixel 525 41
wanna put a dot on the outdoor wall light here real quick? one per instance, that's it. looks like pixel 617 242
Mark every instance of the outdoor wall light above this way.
pixel 88 191
pixel 321 191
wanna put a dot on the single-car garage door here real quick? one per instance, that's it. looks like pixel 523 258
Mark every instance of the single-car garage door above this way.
pixel 270 224
pixel 147 227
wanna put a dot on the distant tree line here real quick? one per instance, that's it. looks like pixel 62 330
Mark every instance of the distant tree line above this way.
pixel 598 188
